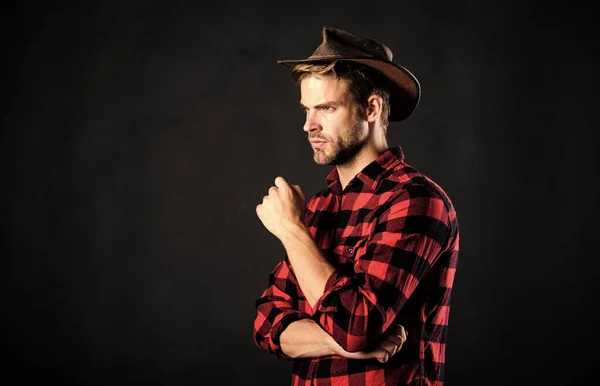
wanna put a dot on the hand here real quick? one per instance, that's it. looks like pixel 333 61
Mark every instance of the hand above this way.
pixel 282 208
pixel 389 345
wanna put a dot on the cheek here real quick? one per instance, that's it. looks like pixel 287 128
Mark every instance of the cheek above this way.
pixel 335 127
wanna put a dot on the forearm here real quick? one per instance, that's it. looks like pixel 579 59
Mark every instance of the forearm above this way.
pixel 306 339
pixel 310 267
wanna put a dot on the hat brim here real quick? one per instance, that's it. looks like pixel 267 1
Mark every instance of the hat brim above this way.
pixel 405 90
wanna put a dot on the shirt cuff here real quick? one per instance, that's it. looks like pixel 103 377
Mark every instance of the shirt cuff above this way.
pixel 328 302
pixel 289 317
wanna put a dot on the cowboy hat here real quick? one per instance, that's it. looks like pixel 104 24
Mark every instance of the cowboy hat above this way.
pixel 339 44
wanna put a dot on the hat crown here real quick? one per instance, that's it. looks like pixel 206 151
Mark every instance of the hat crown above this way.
pixel 340 43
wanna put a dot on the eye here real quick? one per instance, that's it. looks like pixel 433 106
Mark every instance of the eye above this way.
pixel 327 108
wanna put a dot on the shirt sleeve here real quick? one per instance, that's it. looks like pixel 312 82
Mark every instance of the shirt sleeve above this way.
pixel 277 308
pixel 404 244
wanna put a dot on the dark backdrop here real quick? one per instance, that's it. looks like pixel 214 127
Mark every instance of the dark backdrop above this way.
pixel 138 137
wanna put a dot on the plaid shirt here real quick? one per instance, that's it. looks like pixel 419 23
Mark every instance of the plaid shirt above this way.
pixel 392 236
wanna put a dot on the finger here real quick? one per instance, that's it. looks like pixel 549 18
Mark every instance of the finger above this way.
pixel 390 347
pixel 273 190
pixel 359 355
pixel 378 354
pixel 395 339
pixel 299 191
pixel 397 331
pixel 381 355
pixel 281 183
pixel 401 331
pixel 398 336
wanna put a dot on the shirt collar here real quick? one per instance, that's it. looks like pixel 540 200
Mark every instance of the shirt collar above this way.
pixel 371 174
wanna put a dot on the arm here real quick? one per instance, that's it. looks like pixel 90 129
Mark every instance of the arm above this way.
pixel 277 309
pixel 279 327
pixel 311 268
pixel 407 240
pixel 281 212
pixel 306 339
pixel 283 331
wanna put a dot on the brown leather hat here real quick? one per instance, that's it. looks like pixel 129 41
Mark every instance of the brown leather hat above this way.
pixel 339 44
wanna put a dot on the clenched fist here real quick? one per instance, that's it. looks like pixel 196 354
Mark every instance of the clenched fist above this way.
pixel 282 208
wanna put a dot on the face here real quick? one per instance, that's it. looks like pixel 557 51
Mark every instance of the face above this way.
pixel 333 122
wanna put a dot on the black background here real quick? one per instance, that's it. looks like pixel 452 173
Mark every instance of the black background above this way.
pixel 138 137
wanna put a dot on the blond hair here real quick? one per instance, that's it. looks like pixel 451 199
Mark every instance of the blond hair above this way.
pixel 363 81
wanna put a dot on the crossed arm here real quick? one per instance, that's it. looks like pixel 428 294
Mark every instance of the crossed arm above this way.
pixel 349 313
pixel 305 338
pixel 373 303
pixel 281 329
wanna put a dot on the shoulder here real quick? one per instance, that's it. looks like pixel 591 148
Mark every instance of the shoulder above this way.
pixel 414 193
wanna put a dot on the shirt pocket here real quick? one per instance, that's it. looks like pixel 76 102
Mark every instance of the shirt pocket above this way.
pixel 350 248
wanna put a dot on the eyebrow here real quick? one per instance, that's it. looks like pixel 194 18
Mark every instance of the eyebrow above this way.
pixel 328 103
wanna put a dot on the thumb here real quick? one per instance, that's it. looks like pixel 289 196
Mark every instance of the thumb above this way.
pixel 298 190
pixel 281 182
pixel 381 355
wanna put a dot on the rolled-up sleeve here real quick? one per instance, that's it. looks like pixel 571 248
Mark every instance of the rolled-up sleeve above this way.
pixel 276 309
pixel 402 247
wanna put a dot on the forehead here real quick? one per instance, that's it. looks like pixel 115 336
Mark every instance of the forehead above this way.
pixel 315 89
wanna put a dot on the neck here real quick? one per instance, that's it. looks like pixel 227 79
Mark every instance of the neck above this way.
pixel 369 153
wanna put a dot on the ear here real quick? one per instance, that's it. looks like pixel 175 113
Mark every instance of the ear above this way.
pixel 373 110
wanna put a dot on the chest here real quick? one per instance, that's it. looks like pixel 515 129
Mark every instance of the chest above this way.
pixel 342 225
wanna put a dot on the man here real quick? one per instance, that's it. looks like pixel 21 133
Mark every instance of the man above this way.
pixel 362 295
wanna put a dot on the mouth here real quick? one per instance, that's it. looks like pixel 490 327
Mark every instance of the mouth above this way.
pixel 317 144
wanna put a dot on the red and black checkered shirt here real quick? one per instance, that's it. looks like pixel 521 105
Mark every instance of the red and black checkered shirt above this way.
pixel 392 236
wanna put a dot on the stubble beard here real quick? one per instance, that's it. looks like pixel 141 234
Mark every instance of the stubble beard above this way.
pixel 343 150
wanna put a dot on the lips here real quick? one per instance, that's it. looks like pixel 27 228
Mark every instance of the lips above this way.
pixel 317 144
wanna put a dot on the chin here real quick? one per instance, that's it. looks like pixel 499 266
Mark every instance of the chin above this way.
pixel 321 158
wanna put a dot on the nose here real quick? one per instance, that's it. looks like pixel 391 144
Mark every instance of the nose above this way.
pixel 311 123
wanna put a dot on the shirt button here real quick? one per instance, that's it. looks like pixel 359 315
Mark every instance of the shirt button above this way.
pixel 350 250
